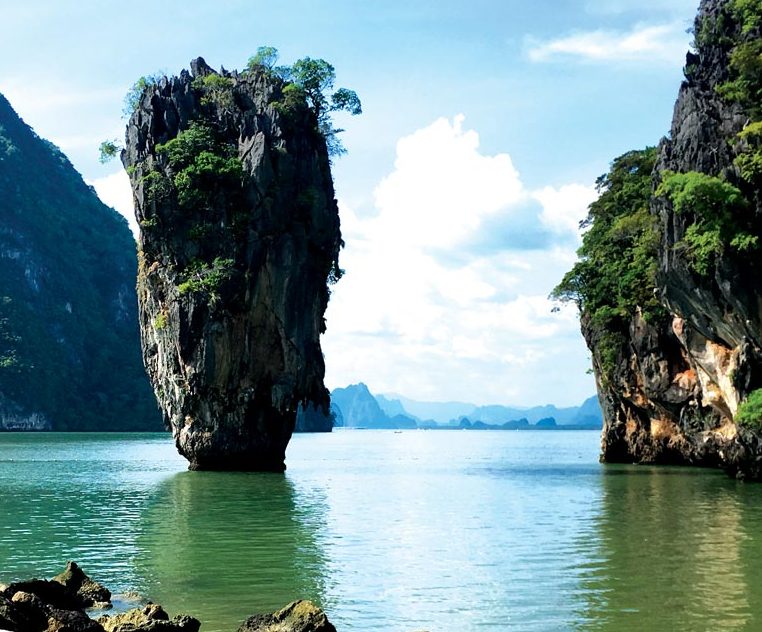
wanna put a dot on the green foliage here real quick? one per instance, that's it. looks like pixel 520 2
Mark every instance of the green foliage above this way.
pixel 264 60
pixel 198 231
pixel 750 411
pixel 135 93
pixel 160 322
pixel 182 150
pixel 201 277
pixel 266 57
pixel 206 168
pixel 712 31
pixel 616 271
pixel 108 150
pixel 203 165
pixel 718 209
pixel 748 13
pixel 745 86
pixel 69 341
pixel 745 83
pixel 749 162
pixel 311 81
pixel 7 148
pixel 9 340
pixel 316 77
pixel 156 187
pixel 218 90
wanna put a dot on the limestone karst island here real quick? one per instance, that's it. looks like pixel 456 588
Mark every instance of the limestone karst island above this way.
pixel 281 355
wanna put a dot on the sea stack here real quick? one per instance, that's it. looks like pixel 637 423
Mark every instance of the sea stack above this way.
pixel 239 238
pixel 676 371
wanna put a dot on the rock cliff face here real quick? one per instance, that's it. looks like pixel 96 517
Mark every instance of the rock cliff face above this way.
pixel 239 235
pixel 678 381
pixel 69 342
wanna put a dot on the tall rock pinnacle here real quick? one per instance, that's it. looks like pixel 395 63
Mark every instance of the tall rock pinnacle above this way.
pixel 239 237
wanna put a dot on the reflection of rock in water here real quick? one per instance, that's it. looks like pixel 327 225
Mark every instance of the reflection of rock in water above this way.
pixel 222 546
pixel 668 555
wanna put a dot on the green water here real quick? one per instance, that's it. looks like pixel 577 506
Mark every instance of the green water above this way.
pixel 443 531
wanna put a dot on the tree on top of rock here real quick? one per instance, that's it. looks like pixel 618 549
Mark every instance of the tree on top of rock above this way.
pixel 313 80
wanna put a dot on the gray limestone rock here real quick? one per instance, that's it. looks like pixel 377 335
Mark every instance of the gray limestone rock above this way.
pixel 675 391
pixel 234 261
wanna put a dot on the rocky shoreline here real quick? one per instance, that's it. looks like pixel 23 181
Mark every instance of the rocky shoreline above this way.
pixel 69 602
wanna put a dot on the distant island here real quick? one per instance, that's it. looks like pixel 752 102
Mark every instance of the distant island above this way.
pixel 356 407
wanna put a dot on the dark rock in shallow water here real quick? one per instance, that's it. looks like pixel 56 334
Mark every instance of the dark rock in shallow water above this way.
pixel 59 606
pixel 239 235
pixel 56 606
pixel 298 616
pixel 49 592
pixel 90 593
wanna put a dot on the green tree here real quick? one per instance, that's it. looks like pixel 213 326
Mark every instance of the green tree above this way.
pixel 616 270
pixel 135 93
pixel 265 57
pixel 316 77
pixel 108 150
pixel 311 80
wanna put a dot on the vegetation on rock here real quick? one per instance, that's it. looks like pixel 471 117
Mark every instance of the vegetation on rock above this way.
pixel 135 93
pixel 718 208
pixel 310 80
pixel 204 166
pixel 616 271
pixel 750 411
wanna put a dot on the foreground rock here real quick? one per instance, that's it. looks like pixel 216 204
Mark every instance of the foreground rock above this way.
pixel 152 618
pixel 298 616
pixel 89 592
pixel 58 605
pixel 239 236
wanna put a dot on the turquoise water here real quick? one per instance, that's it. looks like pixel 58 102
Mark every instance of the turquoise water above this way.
pixel 442 531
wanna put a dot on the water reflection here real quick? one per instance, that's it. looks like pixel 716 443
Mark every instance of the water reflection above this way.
pixel 56 505
pixel 669 553
pixel 223 546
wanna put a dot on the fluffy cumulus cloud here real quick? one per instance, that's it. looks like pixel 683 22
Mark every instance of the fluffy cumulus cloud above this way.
pixel 442 299
pixel 664 43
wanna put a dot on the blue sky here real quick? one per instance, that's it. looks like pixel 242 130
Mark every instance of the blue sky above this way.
pixel 485 125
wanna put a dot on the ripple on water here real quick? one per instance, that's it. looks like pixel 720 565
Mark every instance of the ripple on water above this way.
pixel 418 530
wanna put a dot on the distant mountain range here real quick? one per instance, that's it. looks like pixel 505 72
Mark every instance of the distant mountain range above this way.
pixel 359 408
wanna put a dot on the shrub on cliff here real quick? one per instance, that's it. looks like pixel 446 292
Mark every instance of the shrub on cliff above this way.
pixel 750 411
pixel 616 271
pixel 718 209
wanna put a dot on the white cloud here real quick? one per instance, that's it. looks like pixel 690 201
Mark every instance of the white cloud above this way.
pixel 114 190
pixel 563 209
pixel 425 310
pixel 666 43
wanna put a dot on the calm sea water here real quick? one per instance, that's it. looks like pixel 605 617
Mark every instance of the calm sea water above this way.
pixel 442 531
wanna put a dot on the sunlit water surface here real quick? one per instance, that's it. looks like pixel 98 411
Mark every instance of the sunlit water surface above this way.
pixel 443 531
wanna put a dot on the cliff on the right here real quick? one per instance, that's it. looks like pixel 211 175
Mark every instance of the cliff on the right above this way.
pixel 669 276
